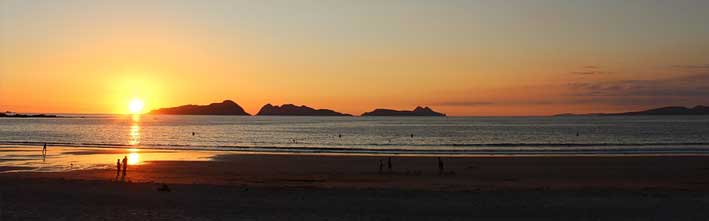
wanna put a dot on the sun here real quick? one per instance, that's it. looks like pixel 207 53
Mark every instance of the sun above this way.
pixel 136 106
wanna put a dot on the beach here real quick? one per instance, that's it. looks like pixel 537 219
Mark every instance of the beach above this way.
pixel 268 186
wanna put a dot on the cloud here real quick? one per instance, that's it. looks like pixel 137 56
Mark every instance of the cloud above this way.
pixel 686 86
pixel 694 67
pixel 589 70
pixel 464 103
pixel 682 90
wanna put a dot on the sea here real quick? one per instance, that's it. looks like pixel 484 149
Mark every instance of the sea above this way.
pixel 369 135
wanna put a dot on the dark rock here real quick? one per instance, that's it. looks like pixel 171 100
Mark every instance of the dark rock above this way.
pixel 293 110
pixel 226 107
pixel 418 112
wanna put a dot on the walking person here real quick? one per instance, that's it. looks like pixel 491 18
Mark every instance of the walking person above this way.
pixel 389 163
pixel 44 150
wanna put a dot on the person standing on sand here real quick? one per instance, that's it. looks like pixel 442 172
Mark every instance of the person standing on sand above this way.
pixel 118 166
pixel 125 165
pixel 389 163
pixel 381 166
pixel 440 166
pixel 44 150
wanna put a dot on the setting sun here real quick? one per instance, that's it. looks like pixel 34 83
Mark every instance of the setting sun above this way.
pixel 136 106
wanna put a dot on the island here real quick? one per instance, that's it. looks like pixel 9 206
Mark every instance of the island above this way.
pixel 670 110
pixel 227 107
pixel 293 110
pixel 16 115
pixel 418 112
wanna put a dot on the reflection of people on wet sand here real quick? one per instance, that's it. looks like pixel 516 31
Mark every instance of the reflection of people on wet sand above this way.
pixel 125 165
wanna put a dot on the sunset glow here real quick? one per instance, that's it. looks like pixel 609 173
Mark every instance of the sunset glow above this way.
pixel 136 106
pixel 458 57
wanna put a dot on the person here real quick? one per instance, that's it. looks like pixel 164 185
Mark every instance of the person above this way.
pixel 389 163
pixel 412 135
pixel 339 135
pixel 192 133
pixel 440 166
pixel 125 165
pixel 44 149
pixel 118 166
pixel 381 166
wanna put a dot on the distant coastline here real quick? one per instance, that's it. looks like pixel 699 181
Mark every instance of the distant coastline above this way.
pixel 15 115
pixel 670 110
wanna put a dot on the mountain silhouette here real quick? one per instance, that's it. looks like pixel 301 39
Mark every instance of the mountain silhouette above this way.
pixel 671 110
pixel 227 107
pixel 419 112
pixel 293 110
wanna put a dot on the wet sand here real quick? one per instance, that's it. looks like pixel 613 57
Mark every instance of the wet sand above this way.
pixel 322 187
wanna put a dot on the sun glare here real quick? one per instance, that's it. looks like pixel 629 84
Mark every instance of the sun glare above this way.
pixel 136 106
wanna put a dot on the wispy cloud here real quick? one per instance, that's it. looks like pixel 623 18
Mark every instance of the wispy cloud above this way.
pixel 682 90
pixel 692 66
pixel 589 70
pixel 686 86
pixel 464 103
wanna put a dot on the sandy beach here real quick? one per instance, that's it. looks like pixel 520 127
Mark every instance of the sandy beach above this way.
pixel 261 186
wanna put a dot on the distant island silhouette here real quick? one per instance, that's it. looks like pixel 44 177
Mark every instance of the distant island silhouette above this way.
pixel 671 110
pixel 293 110
pixel 227 107
pixel 15 115
pixel 418 112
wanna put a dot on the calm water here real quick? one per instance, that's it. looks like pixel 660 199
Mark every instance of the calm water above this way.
pixel 616 134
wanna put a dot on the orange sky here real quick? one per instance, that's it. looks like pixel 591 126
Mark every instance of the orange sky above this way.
pixel 461 58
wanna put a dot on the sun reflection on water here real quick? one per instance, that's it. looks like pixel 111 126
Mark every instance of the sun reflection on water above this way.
pixel 134 135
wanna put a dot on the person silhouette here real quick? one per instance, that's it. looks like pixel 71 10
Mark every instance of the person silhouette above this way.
pixel 118 167
pixel 412 135
pixel 381 166
pixel 192 133
pixel 389 163
pixel 125 165
pixel 440 166
pixel 44 150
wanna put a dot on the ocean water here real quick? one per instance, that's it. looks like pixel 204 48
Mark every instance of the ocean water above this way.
pixel 431 135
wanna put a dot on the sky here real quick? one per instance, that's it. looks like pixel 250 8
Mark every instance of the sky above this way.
pixel 463 58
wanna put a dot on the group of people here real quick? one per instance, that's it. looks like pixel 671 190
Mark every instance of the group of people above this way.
pixel 124 165
pixel 441 169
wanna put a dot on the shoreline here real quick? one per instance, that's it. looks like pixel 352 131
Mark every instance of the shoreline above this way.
pixel 692 149
pixel 686 171
pixel 218 185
